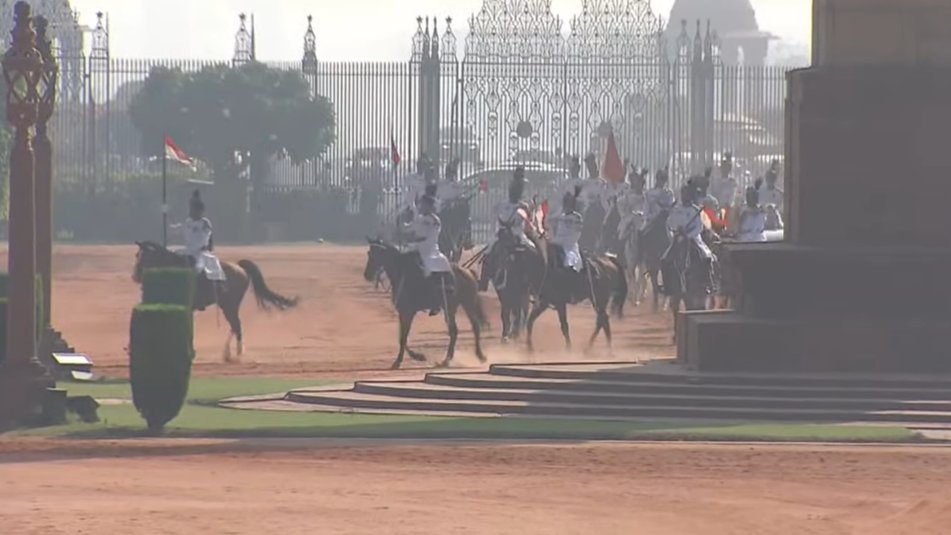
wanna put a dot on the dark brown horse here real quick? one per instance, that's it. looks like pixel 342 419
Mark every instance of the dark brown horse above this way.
pixel 410 293
pixel 603 284
pixel 228 294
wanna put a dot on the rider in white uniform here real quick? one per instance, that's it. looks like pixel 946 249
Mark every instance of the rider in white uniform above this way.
pixel 199 245
pixel 566 232
pixel 685 222
pixel 660 198
pixel 511 217
pixel 724 188
pixel 632 206
pixel 424 240
pixel 772 198
pixel 415 186
pixel 752 218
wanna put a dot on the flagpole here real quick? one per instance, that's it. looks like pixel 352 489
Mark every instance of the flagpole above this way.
pixel 165 191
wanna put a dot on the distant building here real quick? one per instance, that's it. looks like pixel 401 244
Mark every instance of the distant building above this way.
pixel 741 40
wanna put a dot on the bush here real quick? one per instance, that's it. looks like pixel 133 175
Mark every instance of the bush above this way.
pixel 160 358
pixel 170 286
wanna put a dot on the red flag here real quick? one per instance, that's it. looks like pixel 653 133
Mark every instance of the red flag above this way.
pixel 172 152
pixel 613 168
pixel 394 152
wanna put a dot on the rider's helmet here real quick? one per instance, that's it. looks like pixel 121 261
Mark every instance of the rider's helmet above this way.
pixel 570 200
pixel 689 193
pixel 517 185
pixel 574 167
pixel 662 177
pixel 591 163
pixel 452 169
pixel 752 193
pixel 726 163
pixel 195 205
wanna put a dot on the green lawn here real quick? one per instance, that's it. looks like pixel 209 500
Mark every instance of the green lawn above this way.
pixel 200 418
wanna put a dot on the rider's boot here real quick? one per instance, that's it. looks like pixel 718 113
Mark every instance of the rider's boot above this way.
pixel 436 293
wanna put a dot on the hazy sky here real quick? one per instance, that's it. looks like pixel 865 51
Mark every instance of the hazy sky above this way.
pixel 346 29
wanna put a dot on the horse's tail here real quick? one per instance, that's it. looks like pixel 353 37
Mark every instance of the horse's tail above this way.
pixel 467 292
pixel 620 289
pixel 264 295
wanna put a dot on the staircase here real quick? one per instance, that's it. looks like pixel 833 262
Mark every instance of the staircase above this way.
pixel 630 391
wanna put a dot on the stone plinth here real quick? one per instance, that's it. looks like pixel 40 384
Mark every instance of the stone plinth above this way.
pixel 864 283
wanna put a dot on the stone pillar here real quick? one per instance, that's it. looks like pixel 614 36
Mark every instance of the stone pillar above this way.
pixel 862 284
pixel 23 379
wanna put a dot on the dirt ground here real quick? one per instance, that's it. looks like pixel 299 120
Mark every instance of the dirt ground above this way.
pixel 258 487
pixel 345 329
pixel 341 328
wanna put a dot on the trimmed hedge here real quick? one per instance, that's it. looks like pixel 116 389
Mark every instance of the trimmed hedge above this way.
pixel 170 286
pixel 160 358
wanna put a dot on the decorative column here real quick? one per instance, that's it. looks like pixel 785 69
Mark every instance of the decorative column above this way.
pixel 43 151
pixel 861 284
pixel 23 379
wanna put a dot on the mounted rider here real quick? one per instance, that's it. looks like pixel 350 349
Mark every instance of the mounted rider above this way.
pixel 725 187
pixel 660 200
pixel 772 198
pixel 565 257
pixel 453 203
pixel 199 247
pixel 415 187
pixel 686 225
pixel 512 221
pixel 422 236
pixel 753 217
pixel 632 205
pixel 593 190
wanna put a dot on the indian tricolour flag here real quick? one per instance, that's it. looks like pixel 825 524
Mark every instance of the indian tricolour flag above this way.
pixel 174 153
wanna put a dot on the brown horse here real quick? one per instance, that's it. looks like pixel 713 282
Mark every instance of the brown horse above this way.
pixel 603 283
pixel 410 295
pixel 228 294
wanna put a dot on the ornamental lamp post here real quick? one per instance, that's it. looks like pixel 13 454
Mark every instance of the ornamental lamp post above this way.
pixel 43 150
pixel 23 380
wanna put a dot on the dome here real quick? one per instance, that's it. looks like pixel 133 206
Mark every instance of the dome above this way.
pixel 734 21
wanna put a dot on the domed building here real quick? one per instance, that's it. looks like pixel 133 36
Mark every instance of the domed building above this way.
pixel 734 21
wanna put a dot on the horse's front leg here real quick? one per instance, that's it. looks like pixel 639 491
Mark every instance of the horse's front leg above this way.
pixel 539 309
pixel 563 320
pixel 453 335
pixel 506 318
pixel 674 310
pixel 406 323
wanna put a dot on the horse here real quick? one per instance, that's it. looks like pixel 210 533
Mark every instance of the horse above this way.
pixel 629 244
pixel 516 282
pixel 610 242
pixel 603 283
pixel 688 277
pixel 455 237
pixel 228 294
pixel 652 243
pixel 409 290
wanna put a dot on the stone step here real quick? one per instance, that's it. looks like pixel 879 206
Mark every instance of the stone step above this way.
pixel 371 402
pixel 633 372
pixel 649 386
pixel 415 389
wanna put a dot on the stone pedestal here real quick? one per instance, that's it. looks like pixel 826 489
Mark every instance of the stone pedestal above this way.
pixel 864 283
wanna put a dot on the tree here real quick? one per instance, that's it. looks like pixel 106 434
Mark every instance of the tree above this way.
pixel 254 111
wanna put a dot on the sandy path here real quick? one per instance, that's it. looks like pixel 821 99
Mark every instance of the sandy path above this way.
pixel 342 326
pixel 323 487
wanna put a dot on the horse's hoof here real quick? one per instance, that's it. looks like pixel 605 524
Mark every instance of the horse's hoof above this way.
pixel 506 340
pixel 444 364
pixel 482 358
pixel 395 366
pixel 418 357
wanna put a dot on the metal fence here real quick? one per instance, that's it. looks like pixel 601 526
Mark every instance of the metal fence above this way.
pixel 519 91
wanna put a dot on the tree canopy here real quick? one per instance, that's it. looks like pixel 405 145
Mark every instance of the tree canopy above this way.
pixel 213 113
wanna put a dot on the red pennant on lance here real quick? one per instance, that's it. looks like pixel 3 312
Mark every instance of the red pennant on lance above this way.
pixel 394 152
pixel 613 168
pixel 172 152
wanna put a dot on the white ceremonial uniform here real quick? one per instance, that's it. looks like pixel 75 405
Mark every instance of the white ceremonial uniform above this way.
pixel 591 191
pixel 508 217
pixel 414 186
pixel 632 206
pixel 752 225
pixel 685 221
pixel 448 191
pixel 427 227
pixel 724 190
pixel 771 196
pixel 610 192
pixel 658 200
pixel 197 240
pixel 566 233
